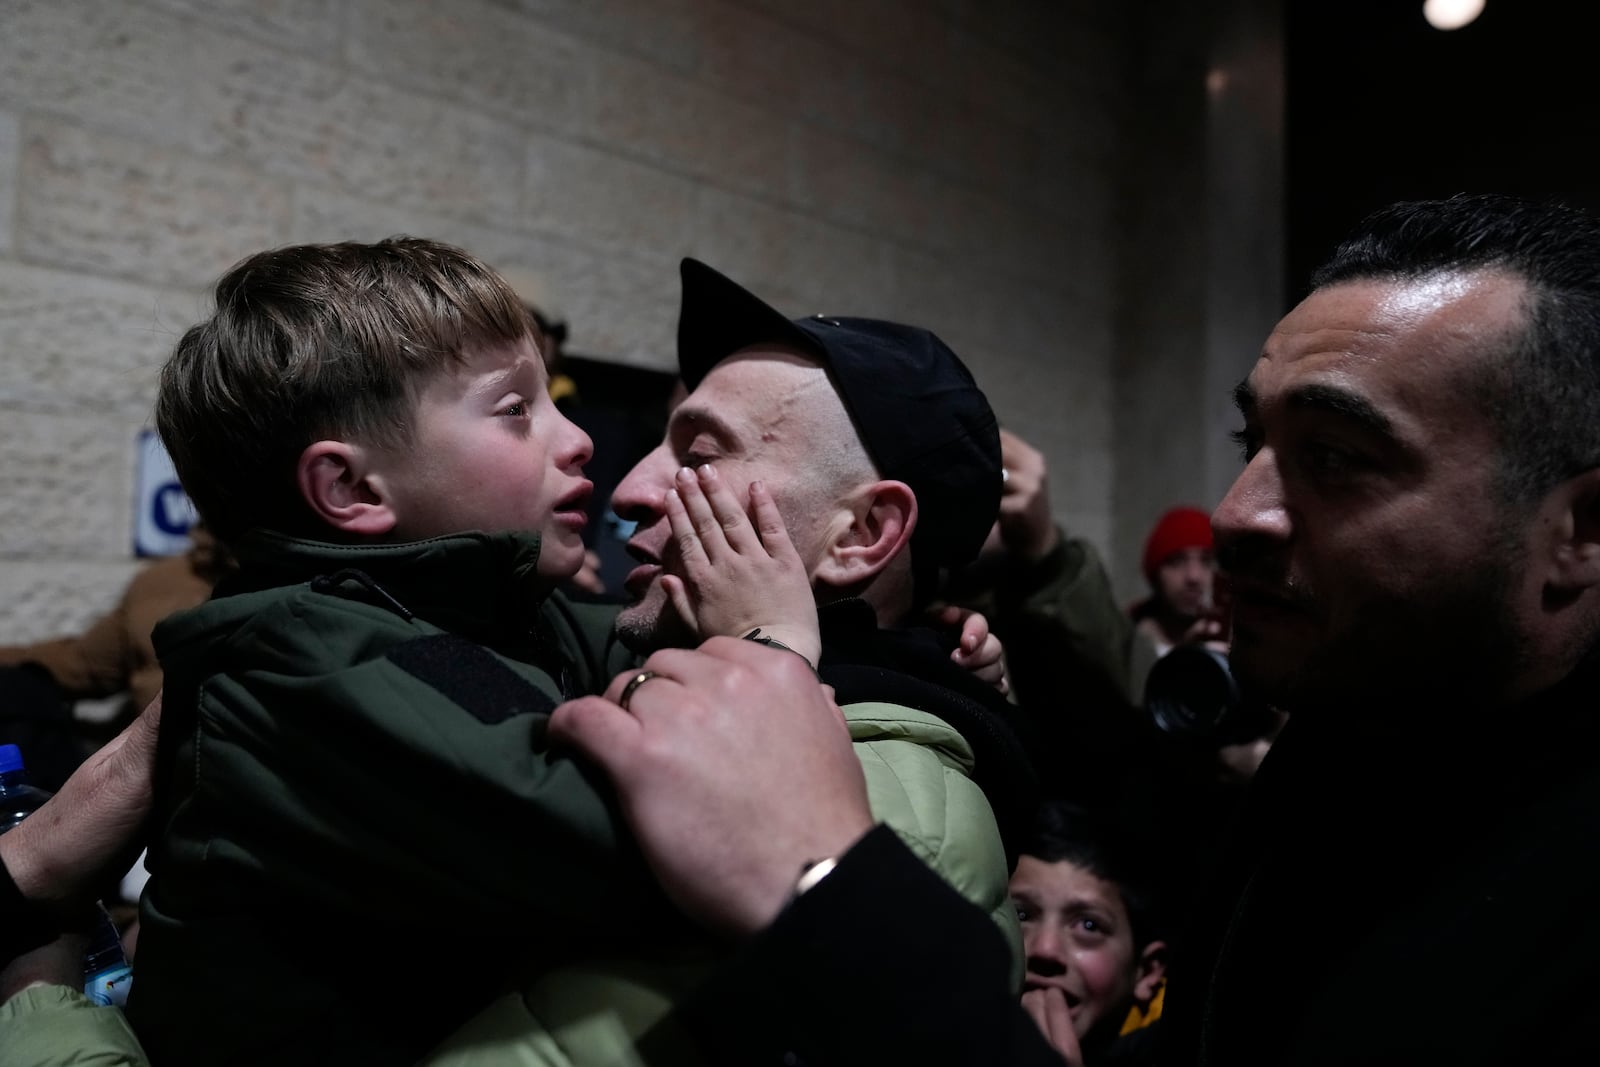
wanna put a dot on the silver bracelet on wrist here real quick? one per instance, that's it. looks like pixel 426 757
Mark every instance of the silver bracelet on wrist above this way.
pixel 771 642
pixel 814 872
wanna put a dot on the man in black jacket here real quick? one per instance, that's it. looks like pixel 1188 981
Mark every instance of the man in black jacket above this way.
pixel 1414 550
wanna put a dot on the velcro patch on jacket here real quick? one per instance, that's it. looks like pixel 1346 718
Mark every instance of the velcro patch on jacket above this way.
pixel 471 676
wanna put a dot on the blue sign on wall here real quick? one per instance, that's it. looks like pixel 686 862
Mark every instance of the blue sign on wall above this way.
pixel 164 513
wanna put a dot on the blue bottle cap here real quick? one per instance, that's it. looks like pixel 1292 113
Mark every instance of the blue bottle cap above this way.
pixel 10 759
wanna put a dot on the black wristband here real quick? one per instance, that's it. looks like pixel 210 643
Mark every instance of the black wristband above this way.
pixel 24 926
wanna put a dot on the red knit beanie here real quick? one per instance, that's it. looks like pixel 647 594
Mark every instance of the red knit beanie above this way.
pixel 1178 529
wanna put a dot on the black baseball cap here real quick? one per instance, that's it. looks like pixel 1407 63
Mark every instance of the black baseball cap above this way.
pixel 922 418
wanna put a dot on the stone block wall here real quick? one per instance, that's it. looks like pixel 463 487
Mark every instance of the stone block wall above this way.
pixel 945 162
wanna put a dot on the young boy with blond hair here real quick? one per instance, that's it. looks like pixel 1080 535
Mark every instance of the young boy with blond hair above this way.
pixel 360 832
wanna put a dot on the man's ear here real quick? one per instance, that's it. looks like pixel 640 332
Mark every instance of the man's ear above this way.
pixel 338 485
pixel 1571 514
pixel 1152 971
pixel 873 529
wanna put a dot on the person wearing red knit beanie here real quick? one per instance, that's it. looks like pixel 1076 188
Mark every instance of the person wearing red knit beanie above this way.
pixel 1181 570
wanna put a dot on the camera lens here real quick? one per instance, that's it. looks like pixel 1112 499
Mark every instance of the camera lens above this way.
pixel 1191 693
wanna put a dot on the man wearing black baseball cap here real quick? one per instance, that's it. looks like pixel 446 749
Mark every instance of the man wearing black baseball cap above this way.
pixel 883 456
pixel 904 406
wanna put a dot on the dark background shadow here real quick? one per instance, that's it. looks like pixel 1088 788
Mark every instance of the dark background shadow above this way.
pixel 1382 107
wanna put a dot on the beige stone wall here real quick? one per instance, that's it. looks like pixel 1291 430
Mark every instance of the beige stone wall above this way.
pixel 946 162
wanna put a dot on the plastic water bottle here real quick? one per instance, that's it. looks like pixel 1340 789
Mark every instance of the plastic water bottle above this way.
pixel 107 974
pixel 18 799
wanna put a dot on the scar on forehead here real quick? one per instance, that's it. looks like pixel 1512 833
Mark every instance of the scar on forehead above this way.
pixel 795 404
pixel 756 424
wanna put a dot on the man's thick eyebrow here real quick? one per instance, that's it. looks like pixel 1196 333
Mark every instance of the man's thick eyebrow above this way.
pixel 1343 403
pixel 1319 397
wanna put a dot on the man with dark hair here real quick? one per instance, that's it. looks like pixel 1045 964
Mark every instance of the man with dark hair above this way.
pixel 1414 555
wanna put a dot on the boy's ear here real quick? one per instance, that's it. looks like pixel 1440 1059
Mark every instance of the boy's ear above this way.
pixel 874 527
pixel 338 485
pixel 1152 971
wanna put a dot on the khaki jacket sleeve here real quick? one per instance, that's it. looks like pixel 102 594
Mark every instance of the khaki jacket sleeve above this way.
pixel 54 1026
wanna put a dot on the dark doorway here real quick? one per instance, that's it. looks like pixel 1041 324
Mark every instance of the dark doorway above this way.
pixel 1381 107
